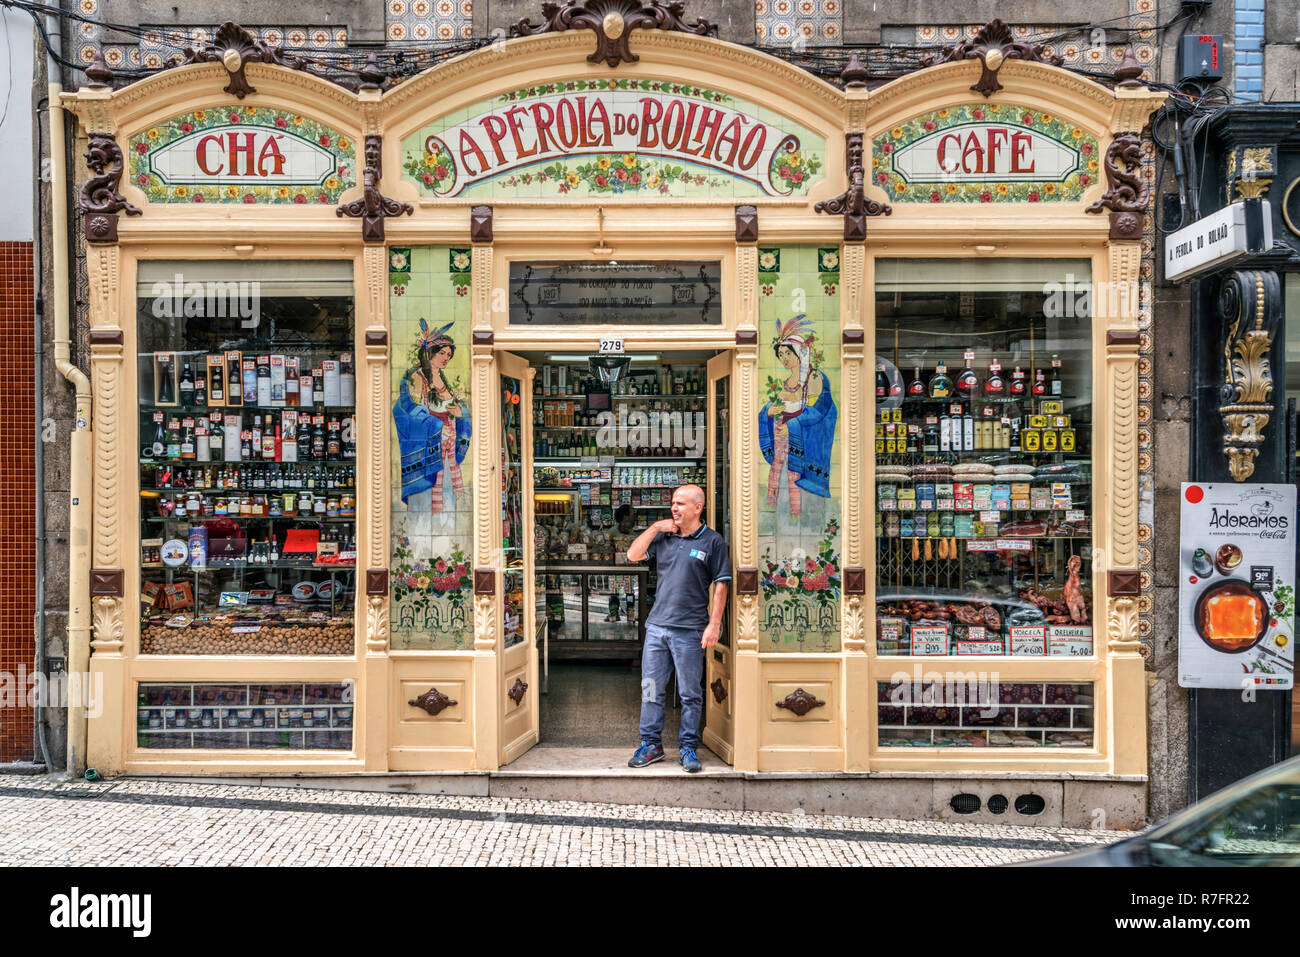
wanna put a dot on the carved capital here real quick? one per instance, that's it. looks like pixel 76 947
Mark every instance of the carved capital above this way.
pixel 485 631
pixel 376 624
pixel 108 626
pixel 1121 627
pixel 747 623
pixel 855 625
pixel 746 224
pixel 1250 303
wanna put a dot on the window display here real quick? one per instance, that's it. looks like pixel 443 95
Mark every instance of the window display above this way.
pixel 1023 714
pixel 236 715
pixel 247 391
pixel 983 466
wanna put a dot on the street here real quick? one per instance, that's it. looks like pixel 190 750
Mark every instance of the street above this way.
pixel 140 822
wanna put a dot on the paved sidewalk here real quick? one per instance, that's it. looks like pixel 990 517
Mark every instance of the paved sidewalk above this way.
pixel 147 822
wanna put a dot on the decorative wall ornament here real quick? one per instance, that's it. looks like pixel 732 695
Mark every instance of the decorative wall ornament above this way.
pixel 373 207
pixel 853 204
pixel 1251 170
pixel 719 690
pixel 1248 376
pixel 377 624
pixel 746 224
pixel 233 47
pixel 100 201
pixel 516 692
pixel 613 22
pixel 854 75
pixel 992 46
pixel 108 626
pixel 480 224
pixel 98 75
pixel 800 702
pixel 371 76
pixel 1121 626
pixel 106 382
pixel 1129 72
pixel 855 624
pixel 433 701
pixel 747 623
pixel 107 583
pixel 1127 193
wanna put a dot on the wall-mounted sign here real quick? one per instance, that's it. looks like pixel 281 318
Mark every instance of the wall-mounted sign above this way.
pixel 1236 622
pixel 610 137
pixel 624 293
pixel 985 153
pixel 242 154
pixel 1219 238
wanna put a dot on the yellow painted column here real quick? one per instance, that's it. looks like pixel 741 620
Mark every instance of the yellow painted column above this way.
pixel 747 713
pixel 373 411
pixel 487 515
pixel 857 698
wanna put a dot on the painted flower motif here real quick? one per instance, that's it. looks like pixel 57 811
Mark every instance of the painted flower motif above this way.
pixel 572 178
pixel 460 260
pixel 634 178
pixel 234 118
pixel 936 197
pixel 929 125
pixel 886 148
pixel 198 197
pixel 1092 165
pixel 798 555
pixel 440 566
pixel 1027 119
pixel 152 134
pixel 1045 117
pixel 986 197
pixel 187 127
pixel 1033 197
pixel 332 183
pixel 232 191
pixel 181 192
pixel 343 143
pixel 281 122
pixel 1086 149
pixel 830 260
pixel 250 110
pixel 300 199
pixel 427 178
pixel 951 189
pixel 1076 133
pixel 601 180
pixel 620 174
pixel 767 261
pixel 297 121
pixel 629 160
pixel 250 198
pixel 652 180
pixel 200 115
pixel 142 179
pixel 1084 179
pixel 603 162
pixel 324 139
pixel 1050 189
pixel 141 148
pixel 900 186
pixel 1003 189
pixel 323 198
pixel 943 114
pixel 977 114
pixel 793 581
pixel 397 261
pixel 896 132
pixel 282 192
pixel 882 178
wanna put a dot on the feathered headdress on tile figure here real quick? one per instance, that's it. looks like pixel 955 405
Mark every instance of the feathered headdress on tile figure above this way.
pixel 797 333
pixel 434 338
pixel 427 344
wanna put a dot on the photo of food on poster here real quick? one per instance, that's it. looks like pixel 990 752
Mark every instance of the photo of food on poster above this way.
pixel 1236 598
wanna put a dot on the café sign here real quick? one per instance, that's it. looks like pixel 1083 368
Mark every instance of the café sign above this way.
pixel 614 137
pixel 987 153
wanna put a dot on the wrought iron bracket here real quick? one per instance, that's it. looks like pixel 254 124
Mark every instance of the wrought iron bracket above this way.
pixel 373 207
pixel 853 204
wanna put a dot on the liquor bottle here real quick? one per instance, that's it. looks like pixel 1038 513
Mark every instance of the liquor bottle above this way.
pixel 916 388
pixel 291 382
pixel 1040 383
pixel 234 388
pixel 187 383
pixel 930 436
pixel 256 438
pixel 945 433
pixel 201 387
pixel 1054 383
pixel 967 380
pixel 269 432
pixel 187 440
pixel 264 380
pixel 246 445
pixel 158 447
pixel 318 386
pixel 218 383
pixel 1018 387
pixel 333 448
pixel 166 395
pixel 940 385
pixel 882 382
pixel 250 382
pixel 304 438
pixel 967 432
pixel 347 380
pixel 995 386
pixel 173 439
pixel 318 438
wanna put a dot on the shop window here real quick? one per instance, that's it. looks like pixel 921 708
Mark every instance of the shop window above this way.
pixel 433 449
pixel 246 386
pixel 799 444
pixel 285 716
pixel 983 458
pixel 974 710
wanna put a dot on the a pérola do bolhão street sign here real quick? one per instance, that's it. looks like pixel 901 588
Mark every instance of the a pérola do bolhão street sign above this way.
pixel 1219 238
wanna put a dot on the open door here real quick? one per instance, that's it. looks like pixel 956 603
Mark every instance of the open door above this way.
pixel 719 734
pixel 517 652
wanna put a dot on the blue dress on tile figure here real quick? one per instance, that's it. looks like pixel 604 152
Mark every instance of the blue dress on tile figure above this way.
pixel 796 431
pixel 433 430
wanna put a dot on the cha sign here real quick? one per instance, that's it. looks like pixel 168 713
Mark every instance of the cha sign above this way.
pixel 614 137
pixel 232 154
pixel 1219 238
pixel 1236 623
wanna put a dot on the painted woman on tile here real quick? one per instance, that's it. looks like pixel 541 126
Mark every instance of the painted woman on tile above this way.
pixel 433 426
pixel 796 428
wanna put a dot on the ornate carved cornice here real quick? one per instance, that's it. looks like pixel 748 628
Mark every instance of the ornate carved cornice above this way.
pixel 233 47
pixel 853 204
pixel 992 46
pixel 1127 193
pixel 613 22
pixel 373 207
pixel 1249 303
pixel 99 199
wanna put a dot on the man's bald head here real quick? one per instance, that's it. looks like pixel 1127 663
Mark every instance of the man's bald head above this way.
pixel 695 492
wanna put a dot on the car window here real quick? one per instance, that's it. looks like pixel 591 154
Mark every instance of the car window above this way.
pixel 1262 828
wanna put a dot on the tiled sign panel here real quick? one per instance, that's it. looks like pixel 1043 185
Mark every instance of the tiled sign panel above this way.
pixel 799 537
pixel 985 153
pixel 242 154
pixel 612 138
pixel 432 499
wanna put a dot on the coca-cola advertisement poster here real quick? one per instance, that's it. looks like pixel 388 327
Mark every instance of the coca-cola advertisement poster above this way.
pixel 1236 607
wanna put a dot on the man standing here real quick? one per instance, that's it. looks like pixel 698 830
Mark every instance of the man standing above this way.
pixel 691 559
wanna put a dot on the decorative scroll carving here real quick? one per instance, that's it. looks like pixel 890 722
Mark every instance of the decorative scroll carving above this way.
pixel 853 204
pixel 992 46
pixel 485 633
pixel 1124 503
pixel 106 372
pixel 433 701
pixel 109 625
pixel 719 690
pixel 233 47
pixel 99 199
pixel 1127 193
pixel 373 207
pixel 1248 377
pixel 855 624
pixel 516 692
pixel 377 624
pixel 747 623
pixel 613 22
pixel 1121 626
pixel 800 702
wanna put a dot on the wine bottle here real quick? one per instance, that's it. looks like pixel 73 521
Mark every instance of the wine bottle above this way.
pixel 1054 384
pixel 187 383
pixel 940 385
pixel 1018 387
pixel 995 386
pixel 916 388
pixel 967 380
pixel 882 382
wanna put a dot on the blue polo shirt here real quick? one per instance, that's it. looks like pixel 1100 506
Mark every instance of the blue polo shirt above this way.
pixel 687 568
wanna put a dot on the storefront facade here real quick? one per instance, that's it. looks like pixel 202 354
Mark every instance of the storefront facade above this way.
pixel 790 224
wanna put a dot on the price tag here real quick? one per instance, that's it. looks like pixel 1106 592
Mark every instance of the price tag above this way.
pixel 930 641
pixel 981 545
pixel 245 629
pixel 1028 639
pixel 969 355
pixel 158 417
pixel 1069 640
pixel 611 347
pixel 992 515
pixel 1075 515
pixel 1013 544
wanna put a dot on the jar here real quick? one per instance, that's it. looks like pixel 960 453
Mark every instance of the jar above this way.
pixel 332 507
pixel 220 508
pixel 193 504
pixel 259 505
pixel 275 505
pixel 348 505
pixel 209 507
pixel 290 503
pixel 304 503
pixel 318 505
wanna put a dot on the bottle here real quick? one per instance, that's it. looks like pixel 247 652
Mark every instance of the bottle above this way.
pixel 270 431
pixel 1018 387
pixel 930 436
pixel 967 432
pixel 303 444
pixel 187 440
pixel 173 439
pixel 187 383
pixel 264 380
pixel 218 383
pixel 967 380
pixel 995 386
pixel 940 385
pixel 1054 383
pixel 159 445
pixel 882 382
pixel 945 432
pixel 916 388
pixel 246 445
pixel 234 389
pixel 318 438
pixel 250 382
pixel 291 382
pixel 318 386
pixel 255 438
pixel 201 387
pixel 1040 383
pixel 347 380
pixel 166 395
pixel 333 447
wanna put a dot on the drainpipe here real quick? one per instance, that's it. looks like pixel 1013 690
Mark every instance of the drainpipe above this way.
pixel 79 518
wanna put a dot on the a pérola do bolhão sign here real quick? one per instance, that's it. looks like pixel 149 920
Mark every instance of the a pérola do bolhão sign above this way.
pixel 1236 608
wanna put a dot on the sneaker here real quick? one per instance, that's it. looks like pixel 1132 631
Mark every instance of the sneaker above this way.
pixel 690 761
pixel 646 754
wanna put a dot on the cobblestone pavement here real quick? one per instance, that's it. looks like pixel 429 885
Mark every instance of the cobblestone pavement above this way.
pixel 148 822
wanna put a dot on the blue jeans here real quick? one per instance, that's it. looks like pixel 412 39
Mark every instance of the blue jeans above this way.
pixel 666 648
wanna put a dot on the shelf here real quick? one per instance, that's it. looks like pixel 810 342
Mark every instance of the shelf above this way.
pixel 650 460
pixel 219 492
pixel 245 463
pixel 191 519
pixel 987 538
pixel 958 399
pixel 276 566
pixel 148 408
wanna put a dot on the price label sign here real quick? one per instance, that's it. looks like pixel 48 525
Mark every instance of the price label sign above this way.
pixel 611 347
pixel 1069 640
pixel 930 641
pixel 1029 639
